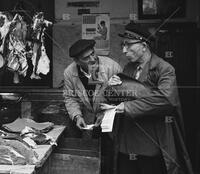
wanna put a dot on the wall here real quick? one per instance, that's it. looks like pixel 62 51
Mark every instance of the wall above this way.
pixel 118 9
pixel 105 6
pixel 66 32
pixel 65 35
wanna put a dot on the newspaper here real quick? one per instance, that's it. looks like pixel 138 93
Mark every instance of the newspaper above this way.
pixel 108 120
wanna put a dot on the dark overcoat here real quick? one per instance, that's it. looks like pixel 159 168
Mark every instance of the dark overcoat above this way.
pixel 154 123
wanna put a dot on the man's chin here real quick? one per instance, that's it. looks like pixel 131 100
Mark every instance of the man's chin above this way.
pixel 131 60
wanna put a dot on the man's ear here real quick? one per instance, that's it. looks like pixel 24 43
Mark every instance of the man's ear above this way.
pixel 143 49
pixel 144 44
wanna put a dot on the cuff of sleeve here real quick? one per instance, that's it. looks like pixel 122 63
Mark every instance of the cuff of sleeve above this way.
pixel 125 109
pixel 125 106
pixel 73 114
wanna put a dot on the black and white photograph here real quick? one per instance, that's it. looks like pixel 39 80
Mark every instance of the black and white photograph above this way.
pixel 99 86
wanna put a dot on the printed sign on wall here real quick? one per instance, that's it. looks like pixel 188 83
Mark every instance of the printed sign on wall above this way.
pixel 97 27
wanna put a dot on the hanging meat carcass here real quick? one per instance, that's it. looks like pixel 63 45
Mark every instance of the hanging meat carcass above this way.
pixel 16 59
pixel 16 48
pixel 40 59
pixel 13 34
pixel 4 29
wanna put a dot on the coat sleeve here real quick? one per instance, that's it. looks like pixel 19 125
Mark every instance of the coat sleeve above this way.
pixel 70 98
pixel 161 100
pixel 116 68
pixel 112 68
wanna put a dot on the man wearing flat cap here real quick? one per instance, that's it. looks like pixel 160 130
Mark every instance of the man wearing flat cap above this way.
pixel 83 81
pixel 84 78
pixel 151 128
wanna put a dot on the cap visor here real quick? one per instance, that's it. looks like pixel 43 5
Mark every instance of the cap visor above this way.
pixel 126 36
pixel 121 35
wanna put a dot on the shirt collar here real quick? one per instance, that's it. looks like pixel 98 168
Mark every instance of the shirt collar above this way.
pixel 85 73
pixel 101 67
pixel 142 65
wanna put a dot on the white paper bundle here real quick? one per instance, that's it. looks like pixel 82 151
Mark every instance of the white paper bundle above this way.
pixel 108 120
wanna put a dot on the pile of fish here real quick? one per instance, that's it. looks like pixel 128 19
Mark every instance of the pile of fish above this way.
pixel 14 151
pixel 19 139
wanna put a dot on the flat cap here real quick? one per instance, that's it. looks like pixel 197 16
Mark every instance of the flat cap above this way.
pixel 80 46
pixel 135 31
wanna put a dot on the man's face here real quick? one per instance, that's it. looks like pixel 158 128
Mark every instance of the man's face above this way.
pixel 132 49
pixel 87 59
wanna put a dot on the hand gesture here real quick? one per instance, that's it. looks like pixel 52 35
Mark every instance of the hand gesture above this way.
pixel 114 80
pixel 80 123
pixel 99 119
pixel 105 106
pixel 119 108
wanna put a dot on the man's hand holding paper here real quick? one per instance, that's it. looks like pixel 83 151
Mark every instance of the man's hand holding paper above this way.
pixel 118 109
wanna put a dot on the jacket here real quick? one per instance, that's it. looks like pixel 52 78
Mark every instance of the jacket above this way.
pixel 154 124
pixel 75 96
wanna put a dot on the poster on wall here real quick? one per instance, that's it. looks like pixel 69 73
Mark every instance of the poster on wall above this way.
pixel 97 26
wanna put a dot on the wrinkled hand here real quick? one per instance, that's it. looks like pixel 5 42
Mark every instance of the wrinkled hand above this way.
pixel 80 123
pixel 114 80
pixel 105 106
pixel 120 108
pixel 99 120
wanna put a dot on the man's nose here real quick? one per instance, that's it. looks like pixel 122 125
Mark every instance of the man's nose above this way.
pixel 92 58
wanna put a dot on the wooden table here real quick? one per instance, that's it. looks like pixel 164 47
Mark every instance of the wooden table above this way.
pixel 43 152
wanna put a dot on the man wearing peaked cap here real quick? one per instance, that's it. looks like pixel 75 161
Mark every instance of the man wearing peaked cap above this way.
pixel 135 31
pixel 83 79
pixel 146 138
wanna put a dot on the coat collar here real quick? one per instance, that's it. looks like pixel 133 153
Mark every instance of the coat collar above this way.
pixel 150 65
pixel 78 84
pixel 153 61
pixel 75 70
